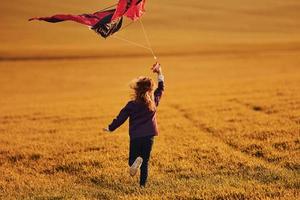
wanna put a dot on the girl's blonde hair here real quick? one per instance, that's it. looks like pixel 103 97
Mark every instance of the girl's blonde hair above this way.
pixel 143 91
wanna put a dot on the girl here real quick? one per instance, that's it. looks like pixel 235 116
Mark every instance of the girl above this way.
pixel 141 111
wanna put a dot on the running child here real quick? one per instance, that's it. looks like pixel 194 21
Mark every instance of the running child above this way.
pixel 141 111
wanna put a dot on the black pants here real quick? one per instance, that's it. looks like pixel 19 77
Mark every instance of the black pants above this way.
pixel 141 147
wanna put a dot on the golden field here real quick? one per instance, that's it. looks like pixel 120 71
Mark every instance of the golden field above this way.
pixel 229 119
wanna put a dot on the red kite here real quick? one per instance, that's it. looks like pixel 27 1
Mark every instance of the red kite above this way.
pixel 104 22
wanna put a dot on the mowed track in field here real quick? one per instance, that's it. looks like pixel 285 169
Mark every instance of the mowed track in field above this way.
pixel 229 118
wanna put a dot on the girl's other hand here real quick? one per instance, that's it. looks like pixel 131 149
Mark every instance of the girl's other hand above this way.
pixel 106 130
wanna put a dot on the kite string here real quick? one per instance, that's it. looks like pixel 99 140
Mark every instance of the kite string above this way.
pixel 108 7
pixel 147 39
pixel 126 26
pixel 148 47
pixel 131 42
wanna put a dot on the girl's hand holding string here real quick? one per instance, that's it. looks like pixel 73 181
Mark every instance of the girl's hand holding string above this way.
pixel 156 68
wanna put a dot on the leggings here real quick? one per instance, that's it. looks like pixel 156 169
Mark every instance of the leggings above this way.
pixel 141 147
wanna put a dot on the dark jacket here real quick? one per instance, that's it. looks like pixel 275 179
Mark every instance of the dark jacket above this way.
pixel 142 121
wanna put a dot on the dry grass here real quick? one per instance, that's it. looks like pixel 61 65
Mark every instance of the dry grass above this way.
pixel 226 132
pixel 229 120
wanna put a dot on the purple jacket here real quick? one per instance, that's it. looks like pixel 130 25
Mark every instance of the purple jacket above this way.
pixel 142 121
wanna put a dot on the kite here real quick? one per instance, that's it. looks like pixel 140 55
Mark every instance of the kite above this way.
pixel 105 22
pixel 108 21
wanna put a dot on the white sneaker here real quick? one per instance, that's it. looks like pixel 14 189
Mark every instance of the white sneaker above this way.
pixel 136 166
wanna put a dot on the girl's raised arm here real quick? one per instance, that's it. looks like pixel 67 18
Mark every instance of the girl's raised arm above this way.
pixel 156 68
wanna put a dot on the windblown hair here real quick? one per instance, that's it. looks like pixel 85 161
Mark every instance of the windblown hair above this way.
pixel 143 92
